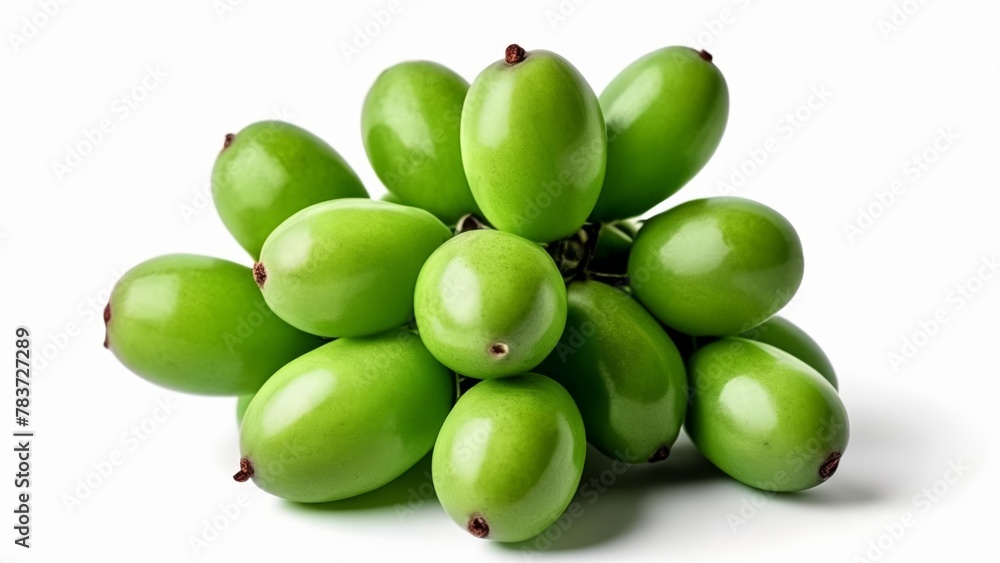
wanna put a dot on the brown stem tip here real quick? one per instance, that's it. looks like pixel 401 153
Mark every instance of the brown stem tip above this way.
pixel 107 318
pixel 499 350
pixel 478 527
pixel 829 466
pixel 259 274
pixel 245 472
pixel 514 54
pixel 229 140
pixel 705 55
pixel 660 454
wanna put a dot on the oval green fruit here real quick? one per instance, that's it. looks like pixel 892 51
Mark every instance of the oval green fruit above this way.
pixel 623 371
pixel 410 127
pixel 509 457
pixel 716 266
pixel 347 267
pixel 785 335
pixel 763 416
pixel 665 114
pixel 270 170
pixel 198 324
pixel 490 304
pixel 345 418
pixel 533 145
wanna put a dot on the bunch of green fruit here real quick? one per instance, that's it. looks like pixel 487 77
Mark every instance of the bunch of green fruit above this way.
pixel 501 306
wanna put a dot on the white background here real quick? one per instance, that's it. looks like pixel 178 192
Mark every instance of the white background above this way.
pixel 141 191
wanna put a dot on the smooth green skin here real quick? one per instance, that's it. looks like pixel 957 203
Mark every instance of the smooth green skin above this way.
pixel 784 335
pixel 665 114
pixel 346 418
pixel 716 266
pixel 198 324
pixel 611 252
pixel 392 198
pixel 622 370
pixel 270 171
pixel 484 288
pixel 241 407
pixel 348 267
pixel 534 146
pixel 763 416
pixel 776 331
pixel 512 453
pixel 410 126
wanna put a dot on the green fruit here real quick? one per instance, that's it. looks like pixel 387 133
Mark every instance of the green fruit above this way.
pixel 611 252
pixel 782 334
pixel 345 418
pixel 623 371
pixel 763 416
pixel 198 324
pixel 270 170
pixel 716 266
pixel 533 145
pixel 241 407
pixel 347 267
pixel 665 114
pixel 410 126
pixel 509 457
pixel 490 304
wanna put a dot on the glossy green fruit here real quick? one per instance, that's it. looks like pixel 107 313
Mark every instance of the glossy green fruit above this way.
pixel 345 418
pixel 410 127
pixel 490 304
pixel 784 335
pixel 611 252
pixel 763 416
pixel 533 145
pixel 347 267
pixel 198 324
pixel 270 170
pixel 241 407
pixel 623 371
pixel 716 266
pixel 509 457
pixel 665 114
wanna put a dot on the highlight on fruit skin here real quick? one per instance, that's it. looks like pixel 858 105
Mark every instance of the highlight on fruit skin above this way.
pixel 716 266
pixel 786 335
pixel 410 122
pixel 198 324
pixel 533 145
pixel 666 113
pixel 347 267
pixel 624 373
pixel 764 417
pixel 509 457
pixel 490 304
pixel 501 307
pixel 345 418
pixel 270 170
